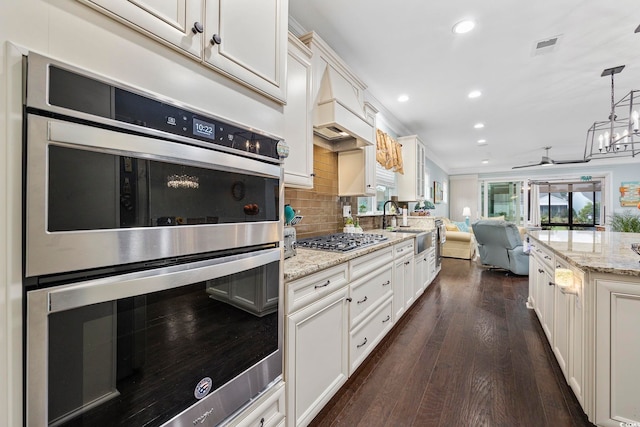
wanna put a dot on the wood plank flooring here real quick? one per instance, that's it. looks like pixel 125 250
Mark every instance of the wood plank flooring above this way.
pixel 468 353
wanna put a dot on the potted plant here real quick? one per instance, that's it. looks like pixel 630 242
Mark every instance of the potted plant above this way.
pixel 625 221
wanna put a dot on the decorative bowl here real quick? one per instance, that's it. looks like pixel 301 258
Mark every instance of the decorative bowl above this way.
pixel 636 248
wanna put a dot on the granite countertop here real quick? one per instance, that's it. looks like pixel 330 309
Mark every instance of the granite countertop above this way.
pixel 309 261
pixel 597 251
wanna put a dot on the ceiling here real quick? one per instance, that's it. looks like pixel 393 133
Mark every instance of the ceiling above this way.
pixel 528 101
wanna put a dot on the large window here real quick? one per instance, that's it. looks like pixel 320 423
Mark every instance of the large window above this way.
pixel 503 199
pixel 570 205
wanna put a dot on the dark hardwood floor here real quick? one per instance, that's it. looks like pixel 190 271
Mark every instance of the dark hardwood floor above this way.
pixel 468 353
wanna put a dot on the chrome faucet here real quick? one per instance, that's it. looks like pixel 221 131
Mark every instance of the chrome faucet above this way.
pixel 384 212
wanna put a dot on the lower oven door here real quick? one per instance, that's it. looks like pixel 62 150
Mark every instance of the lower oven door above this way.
pixel 167 346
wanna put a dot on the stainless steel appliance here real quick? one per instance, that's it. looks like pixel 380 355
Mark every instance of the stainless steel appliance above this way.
pixel 153 256
pixel 341 242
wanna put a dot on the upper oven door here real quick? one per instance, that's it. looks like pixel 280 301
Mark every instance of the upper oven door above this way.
pixel 97 197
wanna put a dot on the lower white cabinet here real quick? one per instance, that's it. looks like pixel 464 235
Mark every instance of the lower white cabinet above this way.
pixel 403 278
pixel 617 351
pixel 368 333
pixel 317 355
pixel 267 411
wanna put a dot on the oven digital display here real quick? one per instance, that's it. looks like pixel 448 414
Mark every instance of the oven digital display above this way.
pixel 204 129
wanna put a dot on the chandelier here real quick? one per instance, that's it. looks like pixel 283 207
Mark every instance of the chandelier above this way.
pixel 618 136
pixel 182 181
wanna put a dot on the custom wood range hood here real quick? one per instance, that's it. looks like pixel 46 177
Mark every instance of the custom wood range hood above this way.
pixel 340 115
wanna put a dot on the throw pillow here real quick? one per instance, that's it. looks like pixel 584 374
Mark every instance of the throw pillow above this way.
pixel 462 226
pixel 452 227
pixel 494 218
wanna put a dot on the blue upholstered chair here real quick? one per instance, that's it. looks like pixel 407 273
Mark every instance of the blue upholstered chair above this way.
pixel 500 245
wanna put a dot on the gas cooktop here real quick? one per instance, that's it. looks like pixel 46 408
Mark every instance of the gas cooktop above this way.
pixel 340 242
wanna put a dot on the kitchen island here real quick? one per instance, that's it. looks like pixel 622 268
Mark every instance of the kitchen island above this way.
pixel 585 289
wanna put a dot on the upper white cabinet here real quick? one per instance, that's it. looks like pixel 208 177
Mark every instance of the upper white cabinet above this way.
pixel 245 40
pixel 357 168
pixel 298 130
pixel 412 185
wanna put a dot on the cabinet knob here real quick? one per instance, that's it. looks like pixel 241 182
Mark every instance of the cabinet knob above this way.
pixel 215 39
pixel 551 284
pixel 197 28
pixel 540 271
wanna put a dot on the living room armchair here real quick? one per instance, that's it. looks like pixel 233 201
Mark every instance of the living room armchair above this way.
pixel 500 245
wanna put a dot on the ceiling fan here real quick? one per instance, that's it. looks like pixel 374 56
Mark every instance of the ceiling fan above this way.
pixel 546 160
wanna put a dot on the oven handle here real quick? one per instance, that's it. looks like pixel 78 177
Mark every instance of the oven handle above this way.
pixel 144 282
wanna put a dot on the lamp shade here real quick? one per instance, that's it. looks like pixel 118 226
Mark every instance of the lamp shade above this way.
pixel 466 211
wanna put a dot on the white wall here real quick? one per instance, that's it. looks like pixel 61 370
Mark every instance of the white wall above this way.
pixel 72 32
pixel 464 193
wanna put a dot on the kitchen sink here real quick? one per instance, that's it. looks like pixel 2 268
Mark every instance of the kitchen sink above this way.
pixel 424 238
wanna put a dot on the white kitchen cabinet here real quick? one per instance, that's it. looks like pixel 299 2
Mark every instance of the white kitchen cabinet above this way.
pixel 365 336
pixel 577 324
pixel 250 35
pixel 298 129
pixel 541 278
pixel 267 411
pixel 403 278
pixel 253 42
pixel 431 265
pixel 412 185
pixel 561 325
pixel 357 168
pixel 317 342
pixel 617 348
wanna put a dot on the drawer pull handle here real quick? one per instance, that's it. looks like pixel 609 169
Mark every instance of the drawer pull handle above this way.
pixel 349 299
pixel 262 422
pixel 387 319
pixel 407 262
pixel 547 257
pixel 540 270
pixel 388 282
pixel 538 250
pixel 363 343
pixel 322 286
pixel 365 299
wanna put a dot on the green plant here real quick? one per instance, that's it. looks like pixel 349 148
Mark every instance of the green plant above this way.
pixel 626 221
pixel 348 221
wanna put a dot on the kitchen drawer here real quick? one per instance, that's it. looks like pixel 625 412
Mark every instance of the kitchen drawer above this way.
pixel 367 263
pixel 544 255
pixel 309 289
pixel 268 411
pixel 368 291
pixel 368 334
pixel 403 248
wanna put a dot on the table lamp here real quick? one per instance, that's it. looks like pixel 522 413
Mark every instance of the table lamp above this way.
pixel 466 213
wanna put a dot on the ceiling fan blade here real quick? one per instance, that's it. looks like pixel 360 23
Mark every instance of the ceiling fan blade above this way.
pixel 527 166
pixel 566 162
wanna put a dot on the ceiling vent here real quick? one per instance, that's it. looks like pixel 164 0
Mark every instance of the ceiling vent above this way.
pixel 543 47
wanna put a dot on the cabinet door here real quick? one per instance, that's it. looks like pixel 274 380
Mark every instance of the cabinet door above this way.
pixel 409 280
pixel 617 350
pixel 576 340
pixel 250 42
pixel 399 300
pixel 562 306
pixel 316 355
pixel 420 274
pixel 547 289
pixel 169 21
pixel 298 127
pixel 356 172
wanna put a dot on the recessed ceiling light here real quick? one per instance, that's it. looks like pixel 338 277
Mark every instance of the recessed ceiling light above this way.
pixel 482 141
pixel 403 98
pixel 464 26
pixel 485 161
pixel 474 94
pixel 478 125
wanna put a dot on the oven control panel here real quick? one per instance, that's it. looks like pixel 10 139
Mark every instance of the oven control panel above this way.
pixel 81 93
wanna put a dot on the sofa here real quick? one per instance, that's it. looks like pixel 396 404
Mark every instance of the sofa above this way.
pixel 460 241
pixel 500 245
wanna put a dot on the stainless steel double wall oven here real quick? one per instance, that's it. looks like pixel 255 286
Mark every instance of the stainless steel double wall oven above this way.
pixel 153 259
